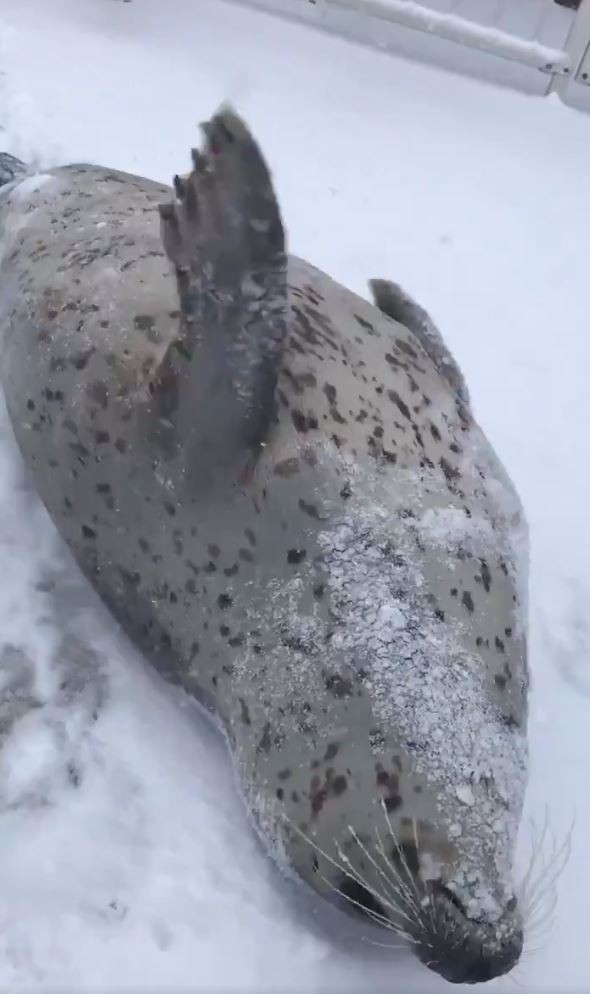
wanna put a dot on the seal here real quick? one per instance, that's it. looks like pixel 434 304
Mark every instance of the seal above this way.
pixel 282 494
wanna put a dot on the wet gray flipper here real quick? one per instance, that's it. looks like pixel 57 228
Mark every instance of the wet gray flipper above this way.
pixel 225 239
pixel 390 298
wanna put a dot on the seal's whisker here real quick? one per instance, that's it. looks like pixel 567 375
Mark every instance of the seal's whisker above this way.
pixel 535 889
pixel 373 915
pixel 400 851
pixel 537 914
pixel 397 880
pixel 384 945
pixel 428 901
pixel 515 979
pixel 370 857
pixel 347 868
pixel 536 848
pixel 531 887
pixel 352 871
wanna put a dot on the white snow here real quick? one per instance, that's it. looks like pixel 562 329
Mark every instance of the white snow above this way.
pixel 126 858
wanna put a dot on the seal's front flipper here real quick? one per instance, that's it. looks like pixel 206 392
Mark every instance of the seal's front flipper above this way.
pixel 11 169
pixel 225 239
pixel 397 304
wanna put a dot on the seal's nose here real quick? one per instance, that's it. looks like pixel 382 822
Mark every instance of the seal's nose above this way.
pixel 466 952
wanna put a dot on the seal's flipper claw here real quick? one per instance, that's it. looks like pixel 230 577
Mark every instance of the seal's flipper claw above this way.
pixel 225 238
pixel 393 301
pixel 179 187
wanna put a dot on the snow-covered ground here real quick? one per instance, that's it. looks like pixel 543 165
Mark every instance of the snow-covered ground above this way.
pixel 126 859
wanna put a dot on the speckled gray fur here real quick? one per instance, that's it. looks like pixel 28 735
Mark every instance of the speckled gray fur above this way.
pixel 283 497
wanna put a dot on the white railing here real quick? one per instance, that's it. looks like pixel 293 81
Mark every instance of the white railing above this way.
pixel 541 46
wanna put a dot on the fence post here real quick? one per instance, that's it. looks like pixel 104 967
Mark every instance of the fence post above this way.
pixel 575 89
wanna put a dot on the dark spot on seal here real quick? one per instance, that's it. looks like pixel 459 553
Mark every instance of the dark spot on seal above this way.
pixel 214 551
pixel 403 407
pixel 250 536
pixel 296 556
pixel 331 751
pixel 80 360
pixel 346 491
pixel 330 392
pixel 500 681
pixel 245 713
pixel 280 793
pixel 284 774
pixel 339 785
pixel 144 322
pixel 435 433
pixel 265 743
pixel 121 445
pixel 224 601
pixel 88 532
pixel 338 685
pixel 486 576
pixel 302 422
pixel 169 508
pixel 451 474
pixel 363 323
pixel 319 591
pixel 499 644
pixel 102 437
pixel 99 393
pixel 309 508
pixel 31 405
pixel 245 555
pixel 286 468
pixel 405 347
pixel 467 601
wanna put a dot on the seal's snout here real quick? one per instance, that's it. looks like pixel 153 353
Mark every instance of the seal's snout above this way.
pixel 464 951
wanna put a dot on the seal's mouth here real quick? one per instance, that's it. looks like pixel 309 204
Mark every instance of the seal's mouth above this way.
pixel 465 951
pixel 361 900
pixel 449 942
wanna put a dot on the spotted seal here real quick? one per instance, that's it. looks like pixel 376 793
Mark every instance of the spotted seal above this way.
pixel 280 491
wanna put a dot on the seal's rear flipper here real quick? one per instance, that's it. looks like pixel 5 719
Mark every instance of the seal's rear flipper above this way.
pixel 397 304
pixel 11 169
pixel 225 239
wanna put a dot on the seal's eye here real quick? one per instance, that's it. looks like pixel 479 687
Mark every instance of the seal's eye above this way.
pixel 359 899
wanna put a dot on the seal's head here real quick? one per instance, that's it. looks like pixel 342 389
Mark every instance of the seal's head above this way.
pixel 415 798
